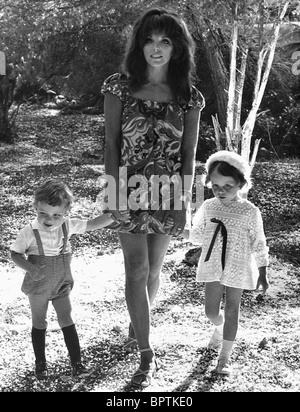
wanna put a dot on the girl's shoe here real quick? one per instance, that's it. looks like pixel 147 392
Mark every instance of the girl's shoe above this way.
pixel 142 378
pixel 215 341
pixel 224 367
pixel 79 370
pixel 41 371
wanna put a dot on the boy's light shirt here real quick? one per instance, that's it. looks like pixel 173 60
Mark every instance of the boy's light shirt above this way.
pixel 52 239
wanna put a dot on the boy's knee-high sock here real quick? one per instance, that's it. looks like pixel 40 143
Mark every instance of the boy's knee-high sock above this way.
pixel 72 343
pixel 38 337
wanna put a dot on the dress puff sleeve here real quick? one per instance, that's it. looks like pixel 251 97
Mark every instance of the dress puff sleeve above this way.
pixel 196 101
pixel 116 84
pixel 258 240
pixel 198 227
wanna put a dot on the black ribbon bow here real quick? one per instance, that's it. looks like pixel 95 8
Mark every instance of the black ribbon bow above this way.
pixel 224 245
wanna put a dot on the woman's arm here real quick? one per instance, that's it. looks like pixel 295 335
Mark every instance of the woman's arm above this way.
pixel 189 147
pixel 176 219
pixel 113 114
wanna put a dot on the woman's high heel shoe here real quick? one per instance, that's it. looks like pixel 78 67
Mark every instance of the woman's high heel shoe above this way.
pixel 142 378
pixel 131 344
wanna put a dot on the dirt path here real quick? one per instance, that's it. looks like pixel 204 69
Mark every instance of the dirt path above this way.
pixel 179 328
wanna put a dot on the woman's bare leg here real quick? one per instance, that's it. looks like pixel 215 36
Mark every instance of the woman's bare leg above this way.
pixel 143 258
pixel 157 249
pixel 135 251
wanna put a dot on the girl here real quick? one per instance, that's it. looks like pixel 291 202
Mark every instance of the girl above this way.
pixel 152 114
pixel 234 252
pixel 45 241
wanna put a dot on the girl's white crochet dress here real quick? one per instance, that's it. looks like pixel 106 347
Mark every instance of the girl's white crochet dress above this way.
pixel 246 248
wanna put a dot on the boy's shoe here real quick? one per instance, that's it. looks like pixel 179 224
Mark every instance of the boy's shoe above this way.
pixel 215 341
pixel 224 367
pixel 41 371
pixel 79 370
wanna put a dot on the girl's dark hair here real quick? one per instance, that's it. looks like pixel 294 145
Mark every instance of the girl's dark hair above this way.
pixel 182 66
pixel 55 193
pixel 226 169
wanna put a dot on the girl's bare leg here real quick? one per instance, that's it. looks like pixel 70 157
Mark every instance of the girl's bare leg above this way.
pixel 213 296
pixel 232 312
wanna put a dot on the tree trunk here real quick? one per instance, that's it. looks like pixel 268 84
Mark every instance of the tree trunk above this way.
pixel 260 86
pixel 208 37
pixel 218 71
pixel 7 86
pixel 3 108
pixel 219 77
pixel 231 105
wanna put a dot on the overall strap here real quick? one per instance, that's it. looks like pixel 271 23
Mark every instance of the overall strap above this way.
pixel 38 241
pixel 224 245
pixel 65 239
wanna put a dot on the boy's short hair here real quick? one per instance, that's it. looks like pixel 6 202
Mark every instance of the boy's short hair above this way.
pixel 55 193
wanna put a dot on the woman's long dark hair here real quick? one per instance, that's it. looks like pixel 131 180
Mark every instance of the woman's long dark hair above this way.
pixel 182 66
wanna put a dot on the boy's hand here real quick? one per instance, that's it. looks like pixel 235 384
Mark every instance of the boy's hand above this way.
pixel 125 214
pixel 120 215
pixel 263 280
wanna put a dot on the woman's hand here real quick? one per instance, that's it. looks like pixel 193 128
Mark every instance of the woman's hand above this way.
pixel 174 221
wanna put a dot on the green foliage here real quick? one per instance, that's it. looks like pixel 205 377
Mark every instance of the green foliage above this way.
pixel 279 123
pixel 84 61
pixel 206 143
pixel 63 41
pixel 72 46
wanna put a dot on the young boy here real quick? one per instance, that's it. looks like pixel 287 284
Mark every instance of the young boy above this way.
pixel 45 243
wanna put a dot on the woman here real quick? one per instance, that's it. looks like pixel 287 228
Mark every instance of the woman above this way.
pixel 152 115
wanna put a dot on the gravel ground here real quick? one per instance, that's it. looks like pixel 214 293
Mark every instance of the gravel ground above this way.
pixel 266 355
